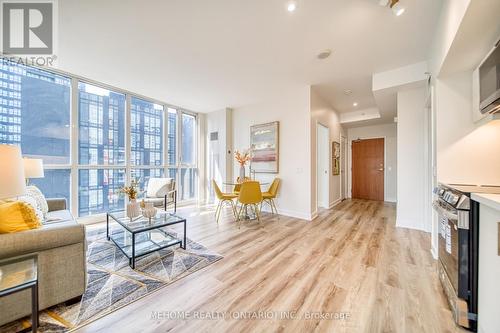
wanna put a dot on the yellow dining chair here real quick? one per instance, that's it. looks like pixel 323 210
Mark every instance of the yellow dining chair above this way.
pixel 237 186
pixel 269 196
pixel 236 189
pixel 250 195
pixel 223 198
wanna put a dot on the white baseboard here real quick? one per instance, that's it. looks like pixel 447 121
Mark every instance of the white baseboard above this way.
pixel 335 203
pixel 390 200
pixel 401 224
pixel 434 253
pixel 298 215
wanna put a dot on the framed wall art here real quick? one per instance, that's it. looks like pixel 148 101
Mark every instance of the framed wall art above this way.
pixel 336 158
pixel 264 145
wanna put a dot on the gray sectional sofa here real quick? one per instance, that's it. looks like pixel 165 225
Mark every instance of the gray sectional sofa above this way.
pixel 61 248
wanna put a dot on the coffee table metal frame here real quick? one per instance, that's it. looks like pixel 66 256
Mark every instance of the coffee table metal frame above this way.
pixel 154 226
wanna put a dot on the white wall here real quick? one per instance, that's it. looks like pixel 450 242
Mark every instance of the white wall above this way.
pixel 323 113
pixel 467 153
pixel 389 132
pixel 292 109
pixel 219 165
pixel 452 14
pixel 411 160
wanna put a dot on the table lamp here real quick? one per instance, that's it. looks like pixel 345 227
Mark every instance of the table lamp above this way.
pixel 33 168
pixel 11 172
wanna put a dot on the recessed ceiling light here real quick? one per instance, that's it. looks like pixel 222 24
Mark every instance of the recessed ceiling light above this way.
pixel 324 54
pixel 355 104
pixel 291 6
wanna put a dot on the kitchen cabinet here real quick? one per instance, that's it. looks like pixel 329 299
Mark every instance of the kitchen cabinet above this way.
pixel 489 263
pixel 477 116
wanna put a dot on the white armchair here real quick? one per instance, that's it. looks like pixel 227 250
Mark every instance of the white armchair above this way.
pixel 161 192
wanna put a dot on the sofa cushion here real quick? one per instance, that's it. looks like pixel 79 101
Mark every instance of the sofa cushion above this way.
pixel 17 216
pixel 36 194
pixel 59 216
pixel 157 202
pixel 47 237
pixel 159 187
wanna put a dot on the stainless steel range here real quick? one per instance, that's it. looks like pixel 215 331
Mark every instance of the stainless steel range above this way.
pixel 458 248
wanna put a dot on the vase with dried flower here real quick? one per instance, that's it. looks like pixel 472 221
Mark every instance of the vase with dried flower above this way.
pixel 242 158
pixel 131 191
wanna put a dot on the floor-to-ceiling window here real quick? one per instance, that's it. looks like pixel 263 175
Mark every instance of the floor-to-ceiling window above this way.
pixel 172 116
pixel 94 139
pixel 101 149
pixel 35 114
pixel 188 157
pixel 146 140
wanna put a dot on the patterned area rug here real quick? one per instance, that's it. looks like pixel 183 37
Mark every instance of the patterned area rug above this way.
pixel 112 284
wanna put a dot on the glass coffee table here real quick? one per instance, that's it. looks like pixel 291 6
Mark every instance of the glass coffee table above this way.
pixel 141 236
pixel 18 274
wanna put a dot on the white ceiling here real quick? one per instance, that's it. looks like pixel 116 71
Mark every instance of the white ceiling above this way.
pixel 207 55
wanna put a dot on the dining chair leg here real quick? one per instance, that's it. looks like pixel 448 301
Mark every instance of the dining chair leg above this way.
pixel 233 207
pixel 239 216
pixel 274 205
pixel 269 201
pixel 219 211
pixel 257 212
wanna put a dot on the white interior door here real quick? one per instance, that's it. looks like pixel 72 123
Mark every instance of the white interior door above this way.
pixel 323 163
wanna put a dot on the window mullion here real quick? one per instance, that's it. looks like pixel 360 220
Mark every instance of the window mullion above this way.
pixel 74 147
pixel 165 139
pixel 128 133
pixel 178 130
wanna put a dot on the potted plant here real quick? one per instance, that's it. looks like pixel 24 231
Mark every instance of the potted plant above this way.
pixel 242 158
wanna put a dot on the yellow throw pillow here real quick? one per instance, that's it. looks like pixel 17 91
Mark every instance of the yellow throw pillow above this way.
pixel 17 216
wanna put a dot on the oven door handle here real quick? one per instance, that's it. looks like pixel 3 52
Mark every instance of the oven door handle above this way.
pixel 445 212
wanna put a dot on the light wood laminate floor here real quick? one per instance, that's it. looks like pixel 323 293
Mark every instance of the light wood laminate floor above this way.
pixel 351 261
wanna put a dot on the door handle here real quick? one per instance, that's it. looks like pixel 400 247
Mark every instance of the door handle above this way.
pixel 382 169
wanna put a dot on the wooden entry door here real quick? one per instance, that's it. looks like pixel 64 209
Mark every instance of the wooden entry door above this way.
pixel 368 169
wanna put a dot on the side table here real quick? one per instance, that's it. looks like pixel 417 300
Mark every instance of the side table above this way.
pixel 18 274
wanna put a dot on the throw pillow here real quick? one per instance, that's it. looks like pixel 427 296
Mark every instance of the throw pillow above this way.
pixel 17 216
pixel 158 187
pixel 34 204
pixel 36 194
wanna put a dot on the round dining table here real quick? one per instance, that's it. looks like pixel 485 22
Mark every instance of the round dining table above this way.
pixel 236 183
pixel 248 216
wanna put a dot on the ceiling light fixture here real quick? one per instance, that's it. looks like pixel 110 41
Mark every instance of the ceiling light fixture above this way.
pixel 397 9
pixel 324 54
pixel 395 6
pixel 291 6
pixel 355 104
pixel 347 92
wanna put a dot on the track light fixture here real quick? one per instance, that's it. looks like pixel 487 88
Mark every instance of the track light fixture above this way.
pixel 395 6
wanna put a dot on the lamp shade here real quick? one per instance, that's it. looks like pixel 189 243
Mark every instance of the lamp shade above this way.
pixel 11 172
pixel 33 168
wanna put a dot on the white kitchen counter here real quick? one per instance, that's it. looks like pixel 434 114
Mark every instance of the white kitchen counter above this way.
pixel 491 200
pixel 489 262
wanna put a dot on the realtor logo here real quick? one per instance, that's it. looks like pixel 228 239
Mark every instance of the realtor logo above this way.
pixel 27 27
